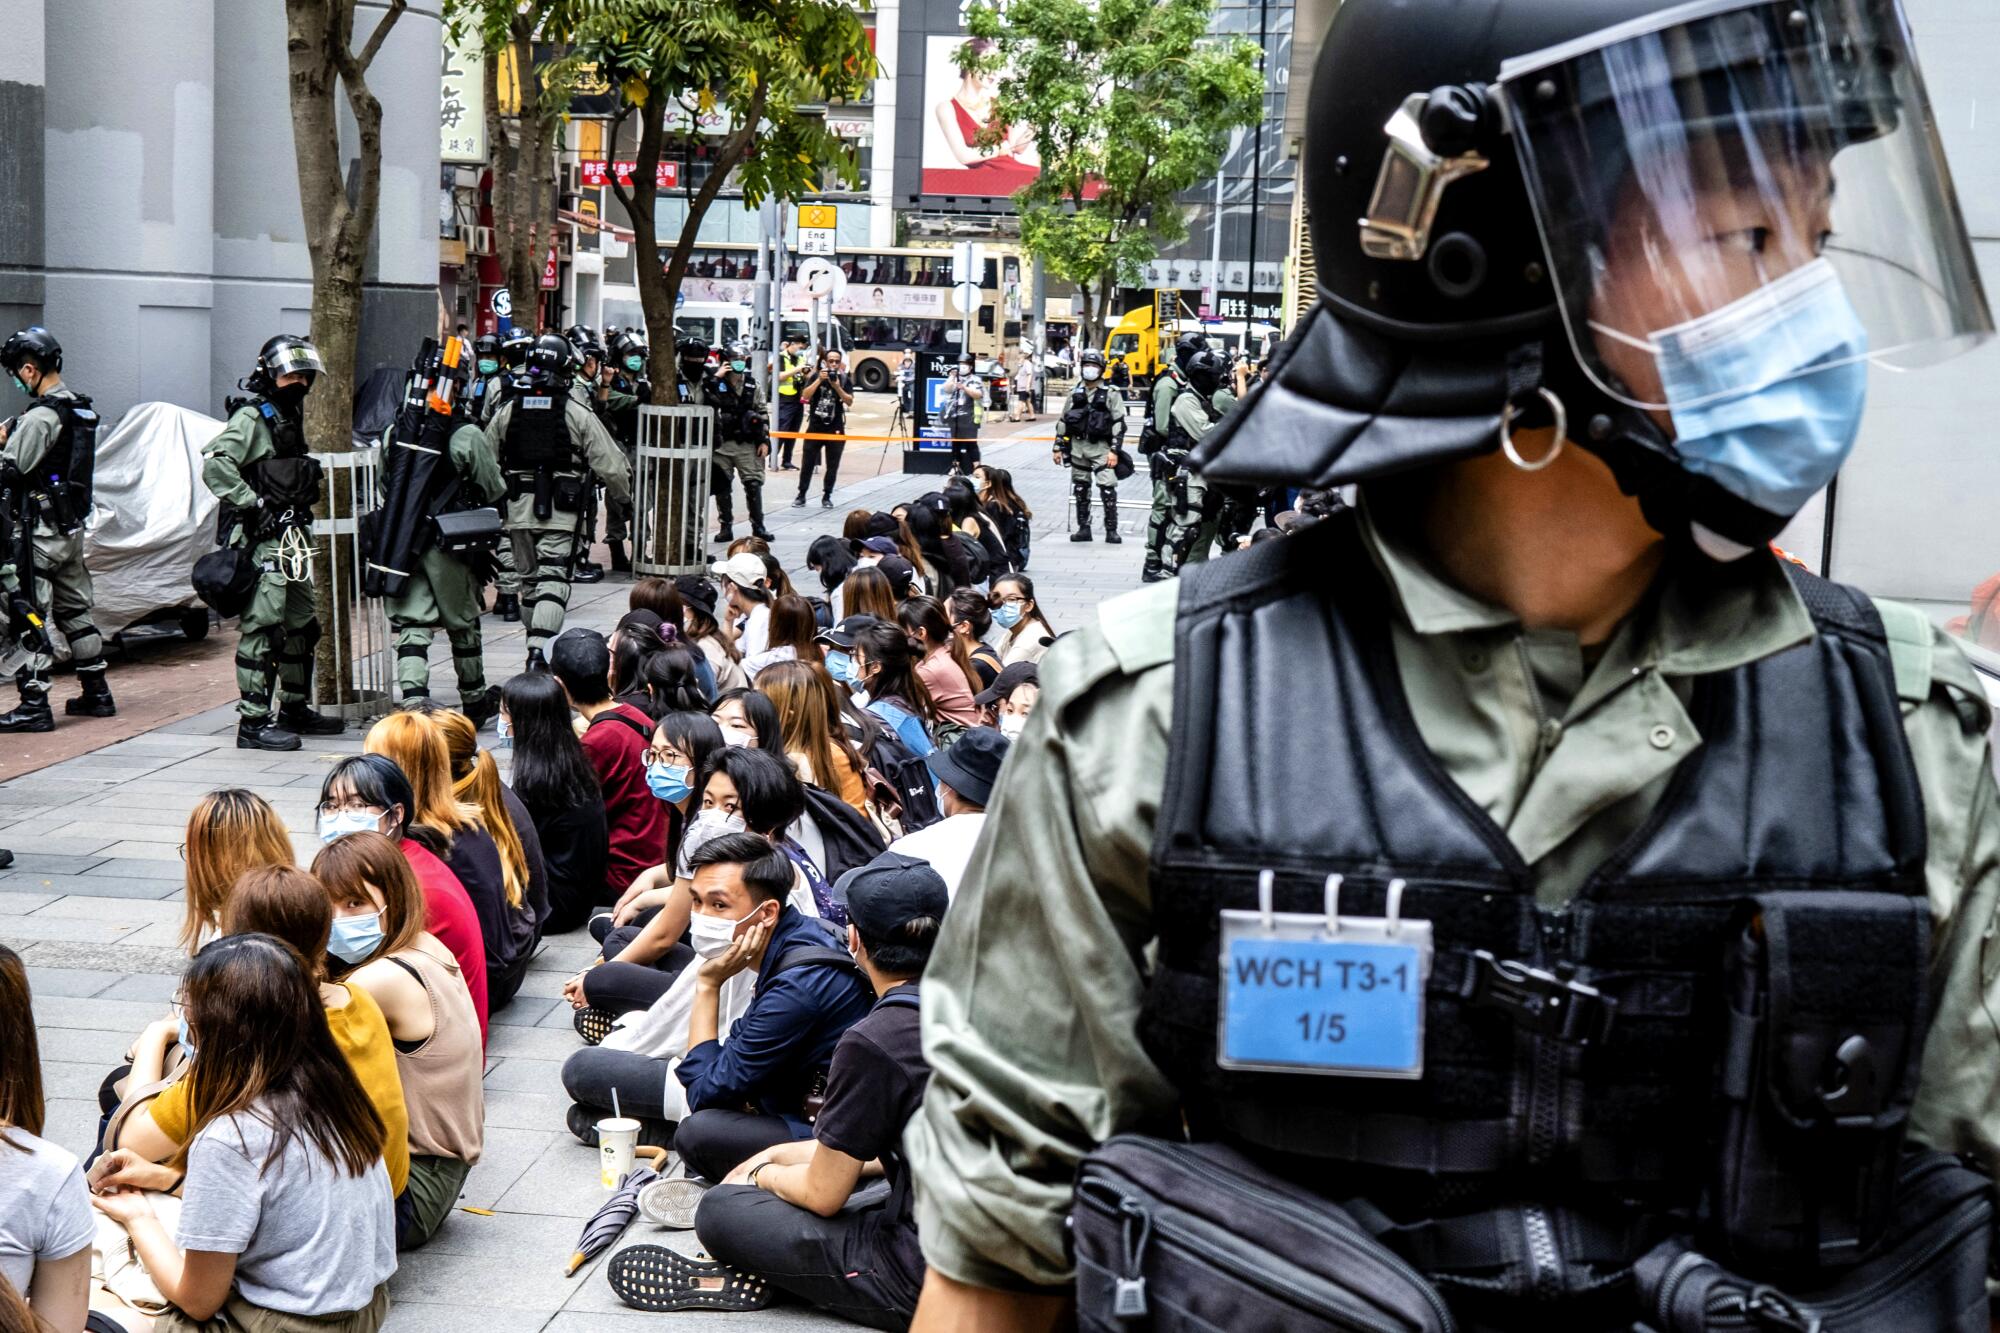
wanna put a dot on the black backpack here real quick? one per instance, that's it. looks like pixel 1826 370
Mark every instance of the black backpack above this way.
pixel 850 840
pixel 901 770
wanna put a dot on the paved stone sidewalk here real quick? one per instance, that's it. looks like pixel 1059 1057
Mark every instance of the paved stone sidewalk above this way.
pixel 93 903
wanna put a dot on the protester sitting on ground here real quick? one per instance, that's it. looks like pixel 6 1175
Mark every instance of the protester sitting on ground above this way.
pixel 855 526
pixel 1012 696
pixel 964 775
pixel 555 782
pixel 651 669
pixel 775 576
pixel 662 599
pixel 286 1214
pixel 791 636
pixel 367 793
pixel 786 1214
pixel 507 922
pixel 475 779
pixel 867 592
pixel 833 560
pixel 885 669
pixel 704 628
pixel 230 831
pixel 971 520
pixel 1029 633
pixel 379 946
pixel 814 739
pixel 682 744
pixel 943 662
pixel 943 561
pixel 637 824
pixel 1009 510
pixel 779 1047
pixel 748 719
pixel 971 619
pixel 746 588
pixel 46 1225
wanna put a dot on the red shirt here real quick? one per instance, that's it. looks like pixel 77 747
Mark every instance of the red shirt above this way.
pixel 635 820
pixel 448 915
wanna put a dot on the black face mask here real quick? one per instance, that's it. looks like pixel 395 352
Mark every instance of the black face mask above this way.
pixel 290 398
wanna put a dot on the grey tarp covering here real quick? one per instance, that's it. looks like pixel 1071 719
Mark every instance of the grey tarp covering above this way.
pixel 151 518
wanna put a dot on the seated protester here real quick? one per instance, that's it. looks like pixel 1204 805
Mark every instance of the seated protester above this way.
pixel 815 740
pixel 507 920
pixel 943 664
pixel 742 790
pixel 792 629
pixel 784 1213
pixel 475 780
pixel 367 793
pixel 663 599
pixel 379 946
pixel 885 672
pixel 287 1218
pixel 971 619
pixel 902 577
pixel 704 629
pixel 746 591
pixel 651 668
pixel 46 1226
pixel 1012 696
pixel 972 520
pixel 289 904
pixel 964 777
pixel 944 556
pixel 748 718
pixel 862 727
pixel 615 737
pixel 1029 633
pixel 832 558
pixel 682 743
pixel 557 786
pixel 230 831
pixel 868 592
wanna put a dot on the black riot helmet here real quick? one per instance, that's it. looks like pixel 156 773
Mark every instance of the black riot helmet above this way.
pixel 1091 357
pixel 1518 212
pixel 692 353
pixel 514 348
pixel 627 348
pixel 549 363
pixel 1186 346
pixel 1204 370
pixel 578 335
pixel 285 354
pixel 33 343
pixel 486 347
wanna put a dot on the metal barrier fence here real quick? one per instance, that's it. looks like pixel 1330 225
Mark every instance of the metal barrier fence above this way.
pixel 670 490
pixel 356 673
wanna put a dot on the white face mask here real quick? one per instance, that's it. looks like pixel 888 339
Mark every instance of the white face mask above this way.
pixel 711 936
pixel 339 824
pixel 721 821
pixel 1013 724
pixel 731 736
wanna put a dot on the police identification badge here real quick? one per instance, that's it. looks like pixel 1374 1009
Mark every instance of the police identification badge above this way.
pixel 537 403
pixel 1306 993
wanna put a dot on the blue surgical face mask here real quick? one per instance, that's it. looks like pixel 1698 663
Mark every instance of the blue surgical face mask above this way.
pixel 1766 392
pixel 670 782
pixel 338 825
pixel 187 1043
pixel 841 667
pixel 488 366
pixel 354 938
pixel 635 363
pixel 1007 615
pixel 19 383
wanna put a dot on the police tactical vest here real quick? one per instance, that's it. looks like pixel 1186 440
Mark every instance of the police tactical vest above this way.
pixel 1178 439
pixel 65 477
pixel 1089 415
pixel 1293 749
pixel 286 482
pixel 537 435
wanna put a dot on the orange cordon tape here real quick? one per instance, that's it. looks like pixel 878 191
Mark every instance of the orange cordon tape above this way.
pixel 909 439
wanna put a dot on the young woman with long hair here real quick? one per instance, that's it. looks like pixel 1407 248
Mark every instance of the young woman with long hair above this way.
pixel 832 558
pixel 886 669
pixel 747 718
pixel 815 740
pixel 793 636
pixel 907 547
pixel 854 527
pixel 1029 633
pixel 943 663
pixel 230 831
pixel 416 745
pixel 1010 512
pixel 286 1195
pixel 653 669
pixel 868 592
pixel 947 569
pixel 556 783
pixel 704 629
pixel 475 780
pixel 379 946
pixel 46 1225
pixel 971 617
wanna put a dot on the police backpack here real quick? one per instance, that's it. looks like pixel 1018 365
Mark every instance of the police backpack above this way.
pixel 226 579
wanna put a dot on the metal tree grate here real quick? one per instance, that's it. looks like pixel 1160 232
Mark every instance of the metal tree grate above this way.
pixel 670 490
pixel 356 646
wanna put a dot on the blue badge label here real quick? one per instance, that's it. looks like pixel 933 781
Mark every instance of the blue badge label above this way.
pixel 1306 999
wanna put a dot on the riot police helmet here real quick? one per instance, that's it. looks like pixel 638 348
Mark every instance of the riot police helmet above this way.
pixel 1619 217
pixel 514 348
pixel 550 361
pixel 1186 345
pixel 691 352
pixel 579 334
pixel 486 347
pixel 1204 371
pixel 1091 364
pixel 33 343
pixel 286 354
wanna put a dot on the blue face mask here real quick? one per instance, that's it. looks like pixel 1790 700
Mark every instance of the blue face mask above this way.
pixel 488 366
pixel 355 937
pixel 1801 350
pixel 841 667
pixel 670 782
pixel 187 1043
pixel 1007 615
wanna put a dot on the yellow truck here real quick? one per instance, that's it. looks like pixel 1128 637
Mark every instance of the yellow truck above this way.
pixel 1136 340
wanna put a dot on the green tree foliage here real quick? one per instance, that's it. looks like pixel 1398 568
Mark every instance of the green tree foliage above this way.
pixel 1131 103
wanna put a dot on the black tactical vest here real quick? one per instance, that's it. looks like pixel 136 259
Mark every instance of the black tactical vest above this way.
pixel 287 482
pixel 1293 749
pixel 538 433
pixel 1178 440
pixel 66 474
pixel 1090 415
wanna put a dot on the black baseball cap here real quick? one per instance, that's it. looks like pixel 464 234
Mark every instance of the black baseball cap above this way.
pixel 890 892
pixel 881 523
pixel 901 574
pixel 972 764
pixel 842 635
pixel 1011 677
pixel 698 592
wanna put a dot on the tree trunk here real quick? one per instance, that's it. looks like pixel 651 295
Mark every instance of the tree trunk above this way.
pixel 523 184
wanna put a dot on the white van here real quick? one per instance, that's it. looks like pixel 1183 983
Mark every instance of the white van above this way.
pixel 717 323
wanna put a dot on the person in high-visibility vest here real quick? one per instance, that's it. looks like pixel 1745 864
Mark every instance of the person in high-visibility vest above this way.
pixel 792 370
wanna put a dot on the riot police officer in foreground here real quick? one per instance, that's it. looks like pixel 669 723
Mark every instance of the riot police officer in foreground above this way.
pixel 46 461
pixel 1689 860
pixel 514 349
pixel 483 396
pixel 1088 436
pixel 550 446
pixel 260 469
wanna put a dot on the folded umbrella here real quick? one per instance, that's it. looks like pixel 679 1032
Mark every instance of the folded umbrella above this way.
pixel 606 1224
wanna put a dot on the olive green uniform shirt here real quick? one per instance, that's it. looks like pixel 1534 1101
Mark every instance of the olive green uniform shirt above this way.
pixel 1031 1002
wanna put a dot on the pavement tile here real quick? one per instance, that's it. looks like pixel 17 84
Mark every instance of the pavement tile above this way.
pixel 101 955
pixel 16 929
pixel 527 1011
pixel 150 987
pixel 100 1015
pixel 28 860
pixel 21 900
pixel 536 1043
pixel 542 1108
pixel 516 1074
pixel 76 982
pixel 72 1121
pixel 133 911
pixel 410 1315
pixel 507 1155
pixel 102 1050
pixel 74 1080
pixel 90 886
pixel 561 1182
pixel 491 1281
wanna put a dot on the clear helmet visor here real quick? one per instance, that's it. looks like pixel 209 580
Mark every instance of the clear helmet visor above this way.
pixel 297 358
pixel 1742 198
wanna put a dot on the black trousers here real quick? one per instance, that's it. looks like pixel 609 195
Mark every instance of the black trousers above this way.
pixel 716 1141
pixel 832 449
pixel 824 1261
pixel 789 415
pixel 621 987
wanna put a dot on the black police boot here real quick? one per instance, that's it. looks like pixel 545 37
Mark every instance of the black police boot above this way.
pixel 298 716
pixel 6 858
pixel 536 662
pixel 620 562
pixel 1110 499
pixel 508 607
pixel 1151 572
pixel 33 712
pixel 1081 491
pixel 753 500
pixel 262 733
pixel 481 708
pixel 95 701
pixel 725 533
pixel 588 571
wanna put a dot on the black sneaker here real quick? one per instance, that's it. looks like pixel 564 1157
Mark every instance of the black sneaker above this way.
pixel 826 502
pixel 799 503
pixel 593 1025
pixel 302 719
pixel 6 858
pixel 261 733
pixel 659 1280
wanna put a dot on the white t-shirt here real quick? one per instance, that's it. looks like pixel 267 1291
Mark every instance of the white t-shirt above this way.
pixel 755 635
pixel 947 845
pixel 44 1208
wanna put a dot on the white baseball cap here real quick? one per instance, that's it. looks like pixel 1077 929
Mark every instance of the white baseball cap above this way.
pixel 743 569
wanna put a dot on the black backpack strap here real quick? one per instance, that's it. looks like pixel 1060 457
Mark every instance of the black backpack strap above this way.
pixel 901 999
pixel 645 733
pixel 815 955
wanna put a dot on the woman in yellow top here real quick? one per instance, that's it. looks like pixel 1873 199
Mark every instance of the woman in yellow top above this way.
pixel 290 904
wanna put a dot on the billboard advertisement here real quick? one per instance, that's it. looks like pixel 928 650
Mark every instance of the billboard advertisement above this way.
pixel 958 109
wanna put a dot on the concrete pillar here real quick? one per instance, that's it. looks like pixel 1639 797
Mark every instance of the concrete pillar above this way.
pixel 22 101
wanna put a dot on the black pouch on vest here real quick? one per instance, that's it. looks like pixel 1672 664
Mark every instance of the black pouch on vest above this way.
pixel 463 530
pixel 226 579
pixel 1930 1274
pixel 1826 1006
pixel 569 494
pixel 1174 1236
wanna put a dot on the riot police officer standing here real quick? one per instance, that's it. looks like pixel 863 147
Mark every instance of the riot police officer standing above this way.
pixel 1691 859
pixel 46 458
pixel 483 397
pixel 742 443
pixel 550 447
pixel 260 469
pixel 1089 434
pixel 1152 439
pixel 514 349
pixel 1197 407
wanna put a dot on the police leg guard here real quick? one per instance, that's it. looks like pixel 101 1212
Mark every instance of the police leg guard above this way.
pixel 295 686
pixel 1080 491
pixel 1108 495
pixel 33 712
pixel 468 662
pixel 725 505
pixel 413 661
